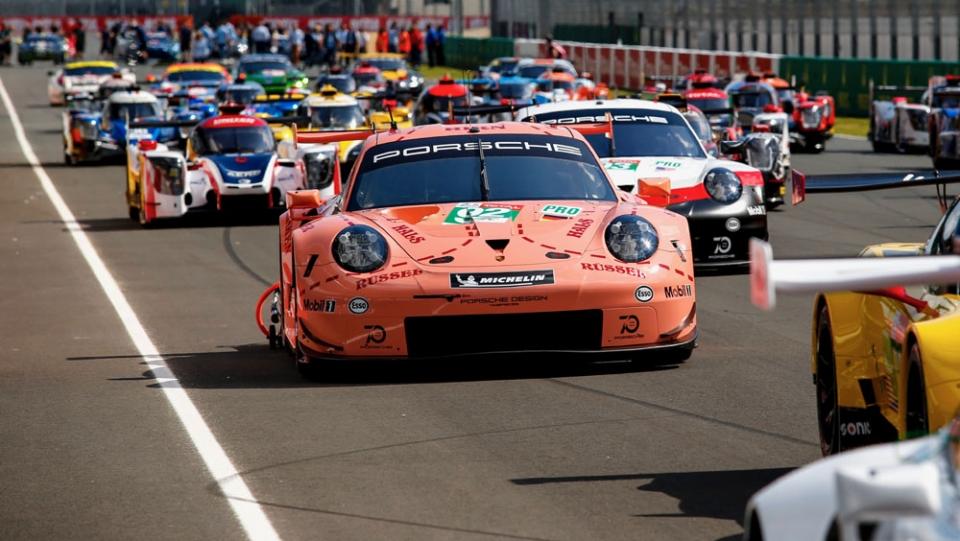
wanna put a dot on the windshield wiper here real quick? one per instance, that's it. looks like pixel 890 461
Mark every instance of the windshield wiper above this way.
pixel 484 181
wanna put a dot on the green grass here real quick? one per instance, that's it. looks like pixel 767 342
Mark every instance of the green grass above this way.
pixel 848 125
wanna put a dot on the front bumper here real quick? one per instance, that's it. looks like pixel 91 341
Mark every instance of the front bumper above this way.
pixel 593 311
pixel 721 233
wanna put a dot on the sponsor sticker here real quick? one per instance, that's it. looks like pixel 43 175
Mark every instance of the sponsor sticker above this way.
pixel 514 300
pixel 560 211
pixel 644 294
pixel 757 210
pixel 674 292
pixel 722 246
pixel 667 165
pixel 482 212
pixel 580 227
pixel 614 269
pixel 139 134
pixel 409 233
pixel 376 336
pixel 855 429
pixel 358 305
pixel 387 277
pixel 481 280
pixel 629 324
pixel 327 305
pixel 621 166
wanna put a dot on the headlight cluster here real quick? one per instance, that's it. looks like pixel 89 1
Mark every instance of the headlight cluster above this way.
pixel 169 177
pixel 360 248
pixel 723 185
pixel 319 168
pixel 810 117
pixel 631 238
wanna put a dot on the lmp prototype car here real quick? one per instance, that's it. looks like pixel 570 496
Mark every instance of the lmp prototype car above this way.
pixel 650 142
pixel 943 121
pixel 83 78
pixel 196 80
pixel 228 160
pixel 523 230
pixel 394 69
pixel 884 355
pixel 896 125
pixel 900 491
pixel 93 134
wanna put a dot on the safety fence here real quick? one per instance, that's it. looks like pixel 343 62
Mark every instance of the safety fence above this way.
pixel 848 79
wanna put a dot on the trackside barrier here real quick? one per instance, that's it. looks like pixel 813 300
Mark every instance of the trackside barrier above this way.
pixel 848 79
pixel 628 66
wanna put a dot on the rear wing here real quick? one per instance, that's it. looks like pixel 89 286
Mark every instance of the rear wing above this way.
pixel 860 182
pixel 329 137
pixel 870 274
pixel 889 90
pixel 275 98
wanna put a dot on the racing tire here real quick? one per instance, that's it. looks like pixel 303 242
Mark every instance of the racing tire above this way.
pixel 917 422
pixel 67 158
pixel 828 408
pixel 142 214
pixel 134 214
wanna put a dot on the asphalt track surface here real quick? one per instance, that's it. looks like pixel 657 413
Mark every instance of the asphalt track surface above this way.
pixel 90 447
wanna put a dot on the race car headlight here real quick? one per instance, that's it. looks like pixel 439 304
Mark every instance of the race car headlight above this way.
pixel 631 239
pixel 360 248
pixel 810 118
pixel 723 185
pixel 319 168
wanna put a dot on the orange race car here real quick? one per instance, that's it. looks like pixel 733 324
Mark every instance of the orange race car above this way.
pixel 453 240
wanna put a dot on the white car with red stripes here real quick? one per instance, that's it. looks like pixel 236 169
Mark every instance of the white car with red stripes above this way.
pixel 228 161
pixel 84 77
pixel 655 153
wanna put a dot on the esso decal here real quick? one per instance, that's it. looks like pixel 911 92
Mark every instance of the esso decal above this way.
pixel 358 305
pixel 644 294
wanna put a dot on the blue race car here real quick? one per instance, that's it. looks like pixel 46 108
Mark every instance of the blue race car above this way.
pixel 162 47
pixel 95 135
pixel 43 47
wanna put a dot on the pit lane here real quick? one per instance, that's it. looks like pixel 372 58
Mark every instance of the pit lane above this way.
pixel 451 451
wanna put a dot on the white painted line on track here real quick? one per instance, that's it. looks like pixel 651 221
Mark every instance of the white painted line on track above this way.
pixel 850 137
pixel 247 510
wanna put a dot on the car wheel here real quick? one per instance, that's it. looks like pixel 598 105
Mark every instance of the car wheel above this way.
pixel 828 412
pixel 917 421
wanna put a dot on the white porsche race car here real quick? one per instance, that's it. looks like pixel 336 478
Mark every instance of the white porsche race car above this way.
pixel 84 78
pixel 654 152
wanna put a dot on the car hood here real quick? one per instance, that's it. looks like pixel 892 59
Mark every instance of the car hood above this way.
pixel 682 172
pixel 518 232
pixel 242 169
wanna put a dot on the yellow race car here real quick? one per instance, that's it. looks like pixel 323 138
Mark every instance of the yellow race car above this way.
pixel 885 343
pixel 394 68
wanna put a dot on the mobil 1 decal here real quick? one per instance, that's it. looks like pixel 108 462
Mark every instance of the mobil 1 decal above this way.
pixel 496 213
pixel 676 292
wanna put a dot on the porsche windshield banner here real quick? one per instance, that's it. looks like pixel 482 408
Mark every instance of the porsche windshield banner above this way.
pixel 468 146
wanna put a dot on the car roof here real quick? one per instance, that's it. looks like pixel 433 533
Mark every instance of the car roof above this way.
pixel 452 130
pixel 196 66
pixel 91 64
pixel 137 96
pixel 599 105
pixel 318 100
pixel 231 121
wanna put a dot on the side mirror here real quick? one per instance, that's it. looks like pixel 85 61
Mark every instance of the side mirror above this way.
pixel 788 107
pixel 877 494
pixel 304 199
pixel 899 294
pixel 731 147
pixel 655 191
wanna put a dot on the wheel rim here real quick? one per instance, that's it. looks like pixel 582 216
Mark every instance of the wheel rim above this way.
pixel 827 411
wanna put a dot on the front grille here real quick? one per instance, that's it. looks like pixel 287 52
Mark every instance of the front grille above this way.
pixel 435 336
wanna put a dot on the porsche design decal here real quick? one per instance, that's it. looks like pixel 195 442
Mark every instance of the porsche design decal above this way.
pixel 480 280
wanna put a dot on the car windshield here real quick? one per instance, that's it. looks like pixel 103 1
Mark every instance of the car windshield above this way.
pixel 517 91
pixel 47 40
pixel 89 70
pixel 343 83
pixel 751 99
pixel 700 125
pixel 946 100
pixel 199 76
pixel 518 168
pixel 274 69
pixel 637 132
pixel 243 96
pixel 389 64
pixel 786 94
pixel 918 119
pixel 546 85
pixel 504 66
pixel 709 104
pixel 367 78
pixel 341 117
pixel 120 111
pixel 533 71
pixel 245 140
